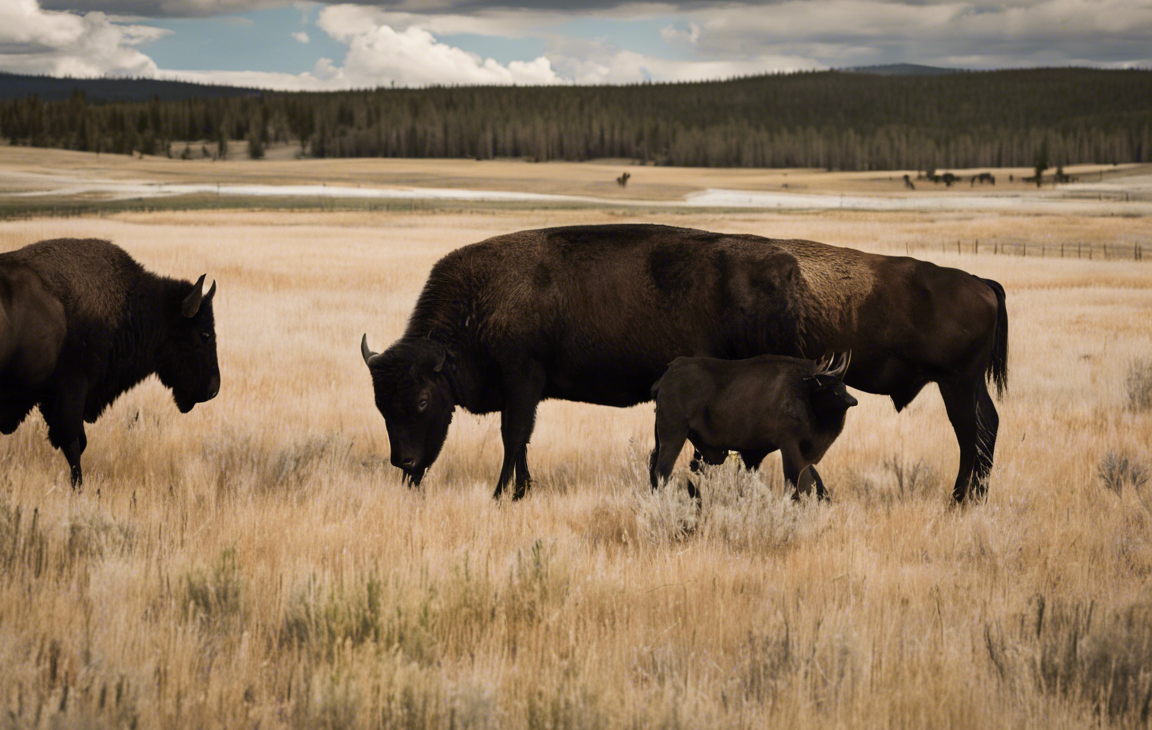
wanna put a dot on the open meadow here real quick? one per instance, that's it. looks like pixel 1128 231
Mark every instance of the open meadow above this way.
pixel 257 562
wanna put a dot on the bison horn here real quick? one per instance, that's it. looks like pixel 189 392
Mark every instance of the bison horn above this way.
pixel 367 353
pixel 825 362
pixel 842 366
pixel 191 304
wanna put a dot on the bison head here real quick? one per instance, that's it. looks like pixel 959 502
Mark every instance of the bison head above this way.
pixel 826 385
pixel 413 394
pixel 187 359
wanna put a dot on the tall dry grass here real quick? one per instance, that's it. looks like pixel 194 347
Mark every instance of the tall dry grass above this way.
pixel 258 563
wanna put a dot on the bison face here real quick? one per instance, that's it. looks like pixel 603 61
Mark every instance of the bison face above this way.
pixel 828 395
pixel 187 361
pixel 414 396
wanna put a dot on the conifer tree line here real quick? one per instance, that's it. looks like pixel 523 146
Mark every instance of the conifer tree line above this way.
pixel 832 119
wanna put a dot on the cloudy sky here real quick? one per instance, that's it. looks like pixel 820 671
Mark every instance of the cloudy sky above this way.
pixel 320 45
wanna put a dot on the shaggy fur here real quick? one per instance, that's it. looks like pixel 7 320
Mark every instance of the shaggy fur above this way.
pixel 96 323
pixel 596 314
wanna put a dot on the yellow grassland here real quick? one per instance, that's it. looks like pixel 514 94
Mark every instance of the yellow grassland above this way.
pixel 257 563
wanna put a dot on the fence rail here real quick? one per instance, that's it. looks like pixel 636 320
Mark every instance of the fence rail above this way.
pixel 1092 251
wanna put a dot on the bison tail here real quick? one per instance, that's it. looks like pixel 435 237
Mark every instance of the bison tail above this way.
pixel 656 387
pixel 997 370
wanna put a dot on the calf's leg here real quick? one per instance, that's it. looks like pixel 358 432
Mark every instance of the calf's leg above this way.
pixel 670 438
pixel 753 459
pixel 794 465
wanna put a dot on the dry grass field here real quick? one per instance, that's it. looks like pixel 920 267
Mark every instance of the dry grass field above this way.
pixel 591 179
pixel 257 563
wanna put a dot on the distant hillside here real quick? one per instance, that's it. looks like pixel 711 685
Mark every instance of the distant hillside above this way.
pixel 844 120
pixel 906 69
pixel 48 88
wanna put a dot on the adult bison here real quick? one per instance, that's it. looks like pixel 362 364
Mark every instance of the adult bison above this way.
pixel 81 322
pixel 596 314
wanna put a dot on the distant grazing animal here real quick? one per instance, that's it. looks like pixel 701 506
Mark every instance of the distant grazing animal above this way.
pixel 81 322
pixel 908 182
pixel 984 177
pixel 754 406
pixel 622 181
pixel 596 313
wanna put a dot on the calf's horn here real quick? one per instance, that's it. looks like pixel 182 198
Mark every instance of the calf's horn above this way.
pixel 842 366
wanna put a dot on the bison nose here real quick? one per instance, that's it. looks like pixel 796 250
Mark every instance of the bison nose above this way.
pixel 850 400
pixel 404 462
pixel 213 387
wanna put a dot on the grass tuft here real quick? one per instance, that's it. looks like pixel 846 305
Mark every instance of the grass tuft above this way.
pixel 1116 471
pixel 1139 384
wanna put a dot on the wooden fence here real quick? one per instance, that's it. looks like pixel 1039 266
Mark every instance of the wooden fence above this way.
pixel 1091 251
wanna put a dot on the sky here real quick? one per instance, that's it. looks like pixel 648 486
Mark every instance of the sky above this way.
pixel 280 44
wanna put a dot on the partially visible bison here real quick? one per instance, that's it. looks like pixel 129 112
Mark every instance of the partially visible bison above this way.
pixel 81 322
pixel 596 314
pixel 753 406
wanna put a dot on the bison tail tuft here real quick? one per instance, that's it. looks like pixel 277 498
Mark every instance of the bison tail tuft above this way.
pixel 997 370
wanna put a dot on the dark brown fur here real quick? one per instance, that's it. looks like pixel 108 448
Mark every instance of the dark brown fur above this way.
pixel 81 322
pixel 596 314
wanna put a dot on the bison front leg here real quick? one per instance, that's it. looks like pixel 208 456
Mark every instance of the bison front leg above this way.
pixel 64 414
pixel 821 492
pixel 517 421
pixel 794 466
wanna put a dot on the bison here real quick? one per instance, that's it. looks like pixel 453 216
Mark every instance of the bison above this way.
pixel 754 406
pixel 596 313
pixel 81 322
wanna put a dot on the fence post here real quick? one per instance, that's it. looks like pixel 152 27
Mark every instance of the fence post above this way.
pixel 976 247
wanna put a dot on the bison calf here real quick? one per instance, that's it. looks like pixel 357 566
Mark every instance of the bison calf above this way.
pixel 752 406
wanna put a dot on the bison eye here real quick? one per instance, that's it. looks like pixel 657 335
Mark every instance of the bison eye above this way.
pixel 205 336
pixel 422 404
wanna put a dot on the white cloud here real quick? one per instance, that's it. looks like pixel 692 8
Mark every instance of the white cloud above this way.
pixel 627 67
pixel 378 54
pixel 36 41
pixel 405 44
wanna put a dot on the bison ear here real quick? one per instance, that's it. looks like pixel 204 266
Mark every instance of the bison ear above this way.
pixel 191 304
pixel 446 358
pixel 366 353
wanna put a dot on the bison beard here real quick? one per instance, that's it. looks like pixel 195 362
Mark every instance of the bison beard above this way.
pixel 596 313
pixel 81 322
